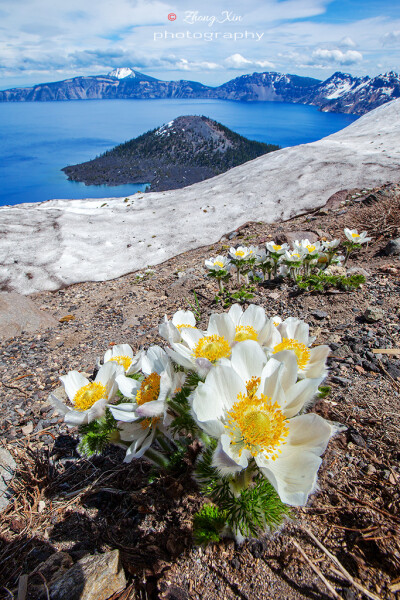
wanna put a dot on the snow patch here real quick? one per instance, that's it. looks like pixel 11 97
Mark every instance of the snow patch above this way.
pixel 60 242
pixel 122 73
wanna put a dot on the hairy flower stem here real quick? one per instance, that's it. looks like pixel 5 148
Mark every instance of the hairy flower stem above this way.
pixel 156 458
pixel 348 252
pixel 221 286
pixel 238 276
pixel 241 481
pixel 164 443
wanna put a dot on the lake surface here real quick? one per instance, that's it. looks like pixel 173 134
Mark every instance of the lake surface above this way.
pixel 37 139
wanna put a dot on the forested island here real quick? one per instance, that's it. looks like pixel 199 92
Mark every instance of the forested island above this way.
pixel 186 150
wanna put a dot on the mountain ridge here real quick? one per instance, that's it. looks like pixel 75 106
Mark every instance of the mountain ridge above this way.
pixel 341 92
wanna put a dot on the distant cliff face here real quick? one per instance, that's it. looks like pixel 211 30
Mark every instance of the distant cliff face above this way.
pixel 186 150
pixel 339 93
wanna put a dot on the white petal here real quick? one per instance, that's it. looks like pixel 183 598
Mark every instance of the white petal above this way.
pixel 225 460
pixel 294 476
pixel 235 312
pixel 59 406
pixel 108 372
pixel 254 316
pixel 140 445
pixel 124 412
pixel 221 324
pixel 191 337
pixel 290 368
pixel 97 410
pixel 181 355
pixel 300 395
pixel 76 417
pixel 308 432
pixel 154 360
pixel 154 408
pixel 121 350
pixel 248 359
pixel 127 386
pixel 184 317
pixel 317 364
pixel 73 382
pixel 217 394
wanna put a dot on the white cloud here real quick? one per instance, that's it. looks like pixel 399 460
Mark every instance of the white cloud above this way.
pixel 187 65
pixel 350 57
pixel 391 38
pixel 347 42
pixel 237 61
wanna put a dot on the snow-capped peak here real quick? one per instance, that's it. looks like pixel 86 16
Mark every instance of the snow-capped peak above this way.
pixel 122 73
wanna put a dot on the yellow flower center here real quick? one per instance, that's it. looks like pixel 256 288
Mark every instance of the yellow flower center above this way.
pixel 276 247
pixel 295 254
pixel 355 235
pixel 256 424
pixel 219 263
pixel 301 351
pixel 149 389
pixel 245 332
pixel 183 325
pixel 87 395
pixel 212 347
pixel 239 253
pixel 310 248
pixel 124 361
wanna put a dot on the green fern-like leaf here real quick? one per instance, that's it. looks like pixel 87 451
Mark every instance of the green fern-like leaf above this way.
pixel 97 434
pixel 208 524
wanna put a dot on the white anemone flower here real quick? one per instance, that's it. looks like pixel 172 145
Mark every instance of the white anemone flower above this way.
pixel 306 248
pixel 243 252
pixel 217 264
pixel 122 354
pixel 140 419
pixel 295 336
pixel 171 330
pixel 275 248
pixel 250 407
pixel 331 245
pixel 293 256
pixel 355 237
pixel 201 350
pixel 89 398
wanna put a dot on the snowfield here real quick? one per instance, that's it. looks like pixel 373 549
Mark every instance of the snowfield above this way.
pixel 56 243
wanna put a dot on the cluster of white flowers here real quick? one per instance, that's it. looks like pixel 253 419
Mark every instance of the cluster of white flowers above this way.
pixel 255 376
pixel 282 260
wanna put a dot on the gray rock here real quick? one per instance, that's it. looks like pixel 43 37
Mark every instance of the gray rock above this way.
pixel 358 271
pixel 393 248
pixel 7 469
pixel 19 313
pixel 342 351
pixel 319 314
pixel 372 314
pixel 95 577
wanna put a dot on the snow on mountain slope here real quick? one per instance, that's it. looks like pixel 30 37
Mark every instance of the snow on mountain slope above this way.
pixel 122 72
pixel 60 242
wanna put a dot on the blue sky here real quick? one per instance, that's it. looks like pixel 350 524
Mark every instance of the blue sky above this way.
pixel 209 41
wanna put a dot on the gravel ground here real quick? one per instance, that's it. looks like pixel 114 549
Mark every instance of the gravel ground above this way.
pixel 355 514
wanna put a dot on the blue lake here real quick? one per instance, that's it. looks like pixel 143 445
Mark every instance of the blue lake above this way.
pixel 37 139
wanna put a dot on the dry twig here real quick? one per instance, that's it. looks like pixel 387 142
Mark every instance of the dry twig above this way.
pixel 317 571
pixel 341 568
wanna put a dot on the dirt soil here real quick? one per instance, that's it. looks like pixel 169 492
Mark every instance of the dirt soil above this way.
pixel 66 503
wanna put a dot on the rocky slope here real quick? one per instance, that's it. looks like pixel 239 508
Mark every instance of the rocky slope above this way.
pixel 66 509
pixel 186 150
pixel 60 242
pixel 339 93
